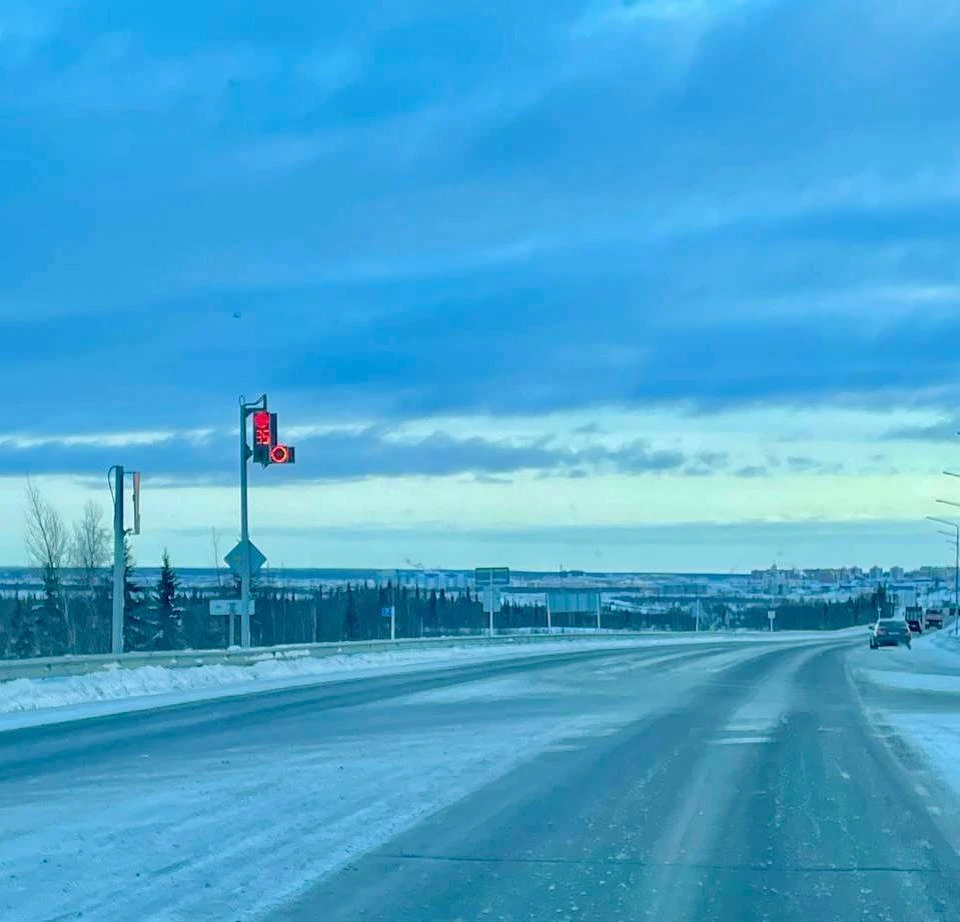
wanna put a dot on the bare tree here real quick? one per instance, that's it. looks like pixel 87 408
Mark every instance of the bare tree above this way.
pixel 47 540
pixel 215 537
pixel 47 545
pixel 90 544
pixel 89 554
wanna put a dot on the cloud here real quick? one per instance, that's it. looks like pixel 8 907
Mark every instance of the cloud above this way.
pixel 801 464
pixel 751 471
pixel 417 211
pixel 330 455
pixel 941 432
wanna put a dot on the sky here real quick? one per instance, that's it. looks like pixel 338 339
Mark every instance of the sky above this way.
pixel 611 284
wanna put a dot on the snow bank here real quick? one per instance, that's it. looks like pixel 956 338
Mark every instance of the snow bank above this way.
pixel 115 683
pixel 917 704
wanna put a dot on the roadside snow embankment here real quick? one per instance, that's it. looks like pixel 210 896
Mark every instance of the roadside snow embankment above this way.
pixel 915 695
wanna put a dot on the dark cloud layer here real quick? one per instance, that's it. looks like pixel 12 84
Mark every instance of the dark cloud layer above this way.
pixel 402 210
pixel 349 454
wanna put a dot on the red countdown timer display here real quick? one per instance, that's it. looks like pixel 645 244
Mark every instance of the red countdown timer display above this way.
pixel 264 435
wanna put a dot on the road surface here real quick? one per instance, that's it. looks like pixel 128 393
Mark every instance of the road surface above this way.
pixel 701 783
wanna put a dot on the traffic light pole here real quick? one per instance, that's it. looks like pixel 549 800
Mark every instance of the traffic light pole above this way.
pixel 244 533
pixel 245 589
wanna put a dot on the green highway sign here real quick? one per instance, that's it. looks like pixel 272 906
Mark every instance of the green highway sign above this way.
pixel 492 576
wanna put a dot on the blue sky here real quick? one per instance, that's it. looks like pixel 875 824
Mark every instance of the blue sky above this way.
pixel 518 278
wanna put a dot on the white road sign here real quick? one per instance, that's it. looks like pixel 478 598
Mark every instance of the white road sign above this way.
pixel 229 607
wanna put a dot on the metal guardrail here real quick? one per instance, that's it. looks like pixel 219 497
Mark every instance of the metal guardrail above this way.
pixel 57 666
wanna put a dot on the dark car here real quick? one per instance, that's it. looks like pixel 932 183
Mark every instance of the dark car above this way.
pixel 889 632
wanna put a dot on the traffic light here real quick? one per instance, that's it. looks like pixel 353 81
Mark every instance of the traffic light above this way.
pixel 266 449
pixel 283 454
pixel 264 436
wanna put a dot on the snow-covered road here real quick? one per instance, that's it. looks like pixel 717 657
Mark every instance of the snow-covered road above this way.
pixel 114 690
pixel 226 810
pixel 708 780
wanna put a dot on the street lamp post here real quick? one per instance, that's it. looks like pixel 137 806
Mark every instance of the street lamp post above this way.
pixel 956 571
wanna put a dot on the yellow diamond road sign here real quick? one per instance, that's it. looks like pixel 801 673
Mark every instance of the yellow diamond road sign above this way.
pixel 235 559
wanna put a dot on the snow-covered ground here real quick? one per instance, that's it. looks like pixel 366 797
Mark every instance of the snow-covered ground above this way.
pixel 915 695
pixel 32 702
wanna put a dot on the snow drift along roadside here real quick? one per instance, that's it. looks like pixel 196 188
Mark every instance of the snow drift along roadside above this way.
pixel 29 702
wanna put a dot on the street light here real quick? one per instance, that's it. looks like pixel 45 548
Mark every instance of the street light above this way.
pixel 956 572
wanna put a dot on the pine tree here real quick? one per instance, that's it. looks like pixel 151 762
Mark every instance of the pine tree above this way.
pixel 140 627
pixel 171 620
pixel 23 630
pixel 51 627
pixel 352 618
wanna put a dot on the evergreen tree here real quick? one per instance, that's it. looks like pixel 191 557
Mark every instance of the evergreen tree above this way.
pixel 433 617
pixel 23 630
pixel 170 618
pixel 51 626
pixel 352 617
pixel 140 626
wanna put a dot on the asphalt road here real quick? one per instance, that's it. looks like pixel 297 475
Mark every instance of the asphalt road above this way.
pixel 717 782
pixel 762 795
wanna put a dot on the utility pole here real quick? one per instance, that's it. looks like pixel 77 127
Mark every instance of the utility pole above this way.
pixel 393 608
pixel 119 561
pixel 956 571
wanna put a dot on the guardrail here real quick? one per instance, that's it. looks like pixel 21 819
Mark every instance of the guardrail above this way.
pixel 51 666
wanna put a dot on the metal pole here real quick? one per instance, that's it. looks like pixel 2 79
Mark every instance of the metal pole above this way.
pixel 956 588
pixel 697 628
pixel 231 631
pixel 599 607
pixel 492 603
pixel 119 563
pixel 549 620
pixel 244 535
pixel 393 611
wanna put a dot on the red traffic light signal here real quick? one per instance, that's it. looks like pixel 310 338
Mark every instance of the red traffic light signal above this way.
pixel 264 435
pixel 283 454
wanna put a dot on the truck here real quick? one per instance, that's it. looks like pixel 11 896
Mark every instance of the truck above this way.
pixel 933 619
pixel 913 615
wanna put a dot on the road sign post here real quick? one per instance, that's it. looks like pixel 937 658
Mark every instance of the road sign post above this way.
pixel 391 577
pixel 489 579
pixel 771 616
